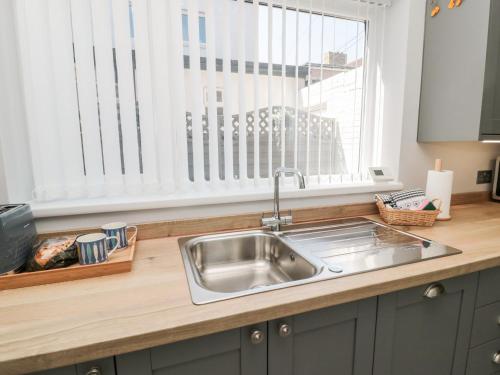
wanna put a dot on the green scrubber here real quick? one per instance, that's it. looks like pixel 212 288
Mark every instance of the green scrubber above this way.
pixel 430 207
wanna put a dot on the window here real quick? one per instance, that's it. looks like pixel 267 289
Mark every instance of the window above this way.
pixel 201 26
pixel 317 93
pixel 123 99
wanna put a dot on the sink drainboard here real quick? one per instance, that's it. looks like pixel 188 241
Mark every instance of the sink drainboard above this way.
pixel 360 245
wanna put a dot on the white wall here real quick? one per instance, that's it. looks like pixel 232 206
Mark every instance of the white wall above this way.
pixel 395 44
pixel 464 158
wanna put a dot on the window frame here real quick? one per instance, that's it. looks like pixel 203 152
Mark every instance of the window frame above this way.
pixel 232 199
pixel 347 10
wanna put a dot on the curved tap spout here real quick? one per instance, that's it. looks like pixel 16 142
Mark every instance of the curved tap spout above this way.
pixel 291 171
pixel 277 220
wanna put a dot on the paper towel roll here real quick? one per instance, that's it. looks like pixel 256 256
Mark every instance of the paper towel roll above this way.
pixel 439 185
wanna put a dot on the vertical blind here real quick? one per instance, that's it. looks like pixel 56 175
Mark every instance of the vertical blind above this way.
pixel 167 97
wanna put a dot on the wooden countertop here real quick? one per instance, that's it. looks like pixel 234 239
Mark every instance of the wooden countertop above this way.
pixel 54 325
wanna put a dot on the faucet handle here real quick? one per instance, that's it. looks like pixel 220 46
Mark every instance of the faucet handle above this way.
pixel 271 221
pixel 287 219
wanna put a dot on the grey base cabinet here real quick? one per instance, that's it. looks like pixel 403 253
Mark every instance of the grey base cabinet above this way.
pixel 484 355
pixel 332 341
pixel 226 353
pixel 104 366
pixel 446 328
pixel 426 335
pixel 481 359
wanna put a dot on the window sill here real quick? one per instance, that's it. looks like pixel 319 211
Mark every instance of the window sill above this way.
pixel 135 203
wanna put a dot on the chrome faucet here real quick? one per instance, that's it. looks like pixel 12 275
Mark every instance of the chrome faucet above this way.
pixel 277 220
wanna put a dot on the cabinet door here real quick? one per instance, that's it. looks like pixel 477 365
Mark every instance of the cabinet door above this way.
pixel 483 359
pixel 490 116
pixel 425 335
pixel 104 366
pixel 455 44
pixel 226 353
pixel 68 370
pixel 488 291
pixel 334 341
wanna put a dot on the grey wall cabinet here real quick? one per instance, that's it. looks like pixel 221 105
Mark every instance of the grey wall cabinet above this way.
pixel 460 91
pixel 426 335
pixel 236 352
pixel 490 116
pixel 333 341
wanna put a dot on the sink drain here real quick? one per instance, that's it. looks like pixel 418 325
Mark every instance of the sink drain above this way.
pixel 335 269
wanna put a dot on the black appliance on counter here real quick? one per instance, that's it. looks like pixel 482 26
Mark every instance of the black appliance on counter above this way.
pixel 17 236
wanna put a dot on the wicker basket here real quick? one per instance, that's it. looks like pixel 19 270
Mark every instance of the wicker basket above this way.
pixel 408 217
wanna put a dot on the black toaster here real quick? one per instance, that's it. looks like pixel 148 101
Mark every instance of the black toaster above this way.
pixel 17 236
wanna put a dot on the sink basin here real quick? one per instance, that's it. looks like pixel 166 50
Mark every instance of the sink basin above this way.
pixel 246 261
pixel 231 265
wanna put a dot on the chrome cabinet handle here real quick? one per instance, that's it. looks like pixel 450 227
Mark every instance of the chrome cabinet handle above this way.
pixel 94 371
pixel 498 320
pixel 434 291
pixel 256 336
pixel 284 330
pixel 496 358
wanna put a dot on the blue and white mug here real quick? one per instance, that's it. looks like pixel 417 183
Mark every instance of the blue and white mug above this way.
pixel 119 230
pixel 94 248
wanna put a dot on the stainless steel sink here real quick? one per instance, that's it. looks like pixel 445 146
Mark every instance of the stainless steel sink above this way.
pixel 242 263
pixel 224 266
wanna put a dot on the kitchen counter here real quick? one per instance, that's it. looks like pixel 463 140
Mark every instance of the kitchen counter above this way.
pixel 59 324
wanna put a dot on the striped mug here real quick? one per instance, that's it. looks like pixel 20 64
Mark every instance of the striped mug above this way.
pixel 119 230
pixel 94 248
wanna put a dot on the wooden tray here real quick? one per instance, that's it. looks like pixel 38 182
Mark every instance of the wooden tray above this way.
pixel 120 261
